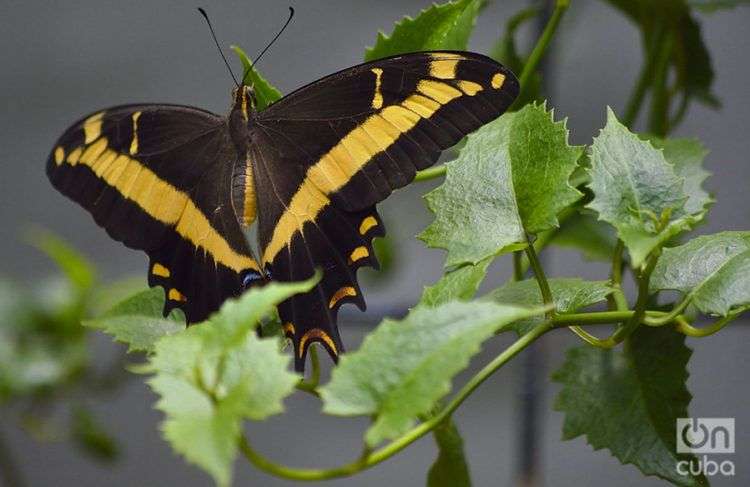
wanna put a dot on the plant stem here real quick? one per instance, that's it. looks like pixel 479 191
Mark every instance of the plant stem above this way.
pixel 687 329
pixel 430 173
pixel 541 46
pixel 676 311
pixel 373 458
pixel 658 122
pixel 311 386
pixel 635 102
pixel 518 269
pixel 641 301
pixel 618 296
pixel 540 276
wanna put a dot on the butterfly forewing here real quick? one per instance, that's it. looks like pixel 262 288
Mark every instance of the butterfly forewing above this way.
pixel 324 155
pixel 158 178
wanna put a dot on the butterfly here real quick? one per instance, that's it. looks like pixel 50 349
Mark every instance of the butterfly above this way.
pixel 184 184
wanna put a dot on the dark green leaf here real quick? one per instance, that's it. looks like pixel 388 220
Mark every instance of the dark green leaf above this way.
pixel 457 285
pixel 628 402
pixel 450 468
pixel 138 321
pixel 265 92
pixel 712 270
pixel 569 295
pixel 670 21
pixel 446 26
pixel 404 367
pixel 511 177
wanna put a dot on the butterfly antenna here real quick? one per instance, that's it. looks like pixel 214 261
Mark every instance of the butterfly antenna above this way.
pixel 257 58
pixel 213 35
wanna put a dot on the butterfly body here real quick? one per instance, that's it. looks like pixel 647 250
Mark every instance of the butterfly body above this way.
pixel 183 184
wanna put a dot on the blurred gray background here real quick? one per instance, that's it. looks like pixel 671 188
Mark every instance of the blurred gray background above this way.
pixel 62 60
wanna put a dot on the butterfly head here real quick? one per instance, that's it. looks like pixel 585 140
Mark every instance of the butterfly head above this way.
pixel 244 100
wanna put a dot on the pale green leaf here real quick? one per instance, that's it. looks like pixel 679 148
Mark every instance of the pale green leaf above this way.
pixel 139 321
pixel 628 401
pixel 404 367
pixel 569 295
pixel 686 156
pixel 712 270
pixel 265 92
pixel 76 268
pixel 215 374
pixel 457 285
pixel 440 27
pixel 450 468
pixel 636 190
pixel 511 177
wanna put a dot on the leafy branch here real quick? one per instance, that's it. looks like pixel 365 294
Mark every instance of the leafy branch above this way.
pixel 516 186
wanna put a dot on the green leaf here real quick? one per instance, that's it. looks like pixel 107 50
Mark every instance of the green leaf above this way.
pixel 636 190
pixel 670 21
pixel 138 320
pixel 628 401
pixel 511 177
pixel 711 6
pixel 446 26
pixel 450 468
pixel 265 92
pixel 215 374
pixel 686 156
pixel 583 232
pixel 505 50
pixel 92 437
pixel 712 270
pixel 569 295
pixel 79 271
pixel 404 367
pixel 457 285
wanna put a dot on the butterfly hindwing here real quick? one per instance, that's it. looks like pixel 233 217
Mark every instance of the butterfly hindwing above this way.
pixel 324 155
pixel 158 178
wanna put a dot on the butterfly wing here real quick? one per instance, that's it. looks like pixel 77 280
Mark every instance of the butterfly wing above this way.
pixel 159 178
pixel 324 155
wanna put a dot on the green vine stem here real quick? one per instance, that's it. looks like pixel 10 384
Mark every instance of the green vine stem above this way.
pixel 618 296
pixel 687 329
pixel 635 102
pixel 430 173
pixel 373 458
pixel 658 123
pixel 561 6
pixel 540 277
pixel 311 386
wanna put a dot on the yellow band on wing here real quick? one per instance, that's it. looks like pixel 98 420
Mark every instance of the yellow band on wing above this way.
pixel 335 168
pixel 316 333
pixel 367 224
pixel 158 199
pixel 341 294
